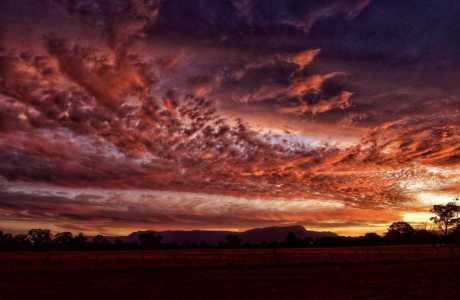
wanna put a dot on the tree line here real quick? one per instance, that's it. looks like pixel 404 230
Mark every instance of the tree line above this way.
pixel 444 216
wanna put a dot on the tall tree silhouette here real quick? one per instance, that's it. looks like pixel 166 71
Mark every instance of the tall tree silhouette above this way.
pixel 446 216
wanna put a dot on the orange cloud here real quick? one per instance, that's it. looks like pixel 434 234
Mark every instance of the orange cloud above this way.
pixel 304 58
pixel 300 86
pixel 107 81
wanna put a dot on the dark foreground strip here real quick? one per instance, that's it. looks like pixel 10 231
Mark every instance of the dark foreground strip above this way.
pixel 235 266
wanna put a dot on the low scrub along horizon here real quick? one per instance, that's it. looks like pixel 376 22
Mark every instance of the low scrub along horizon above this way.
pixel 445 217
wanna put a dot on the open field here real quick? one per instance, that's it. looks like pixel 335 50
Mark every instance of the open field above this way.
pixel 406 272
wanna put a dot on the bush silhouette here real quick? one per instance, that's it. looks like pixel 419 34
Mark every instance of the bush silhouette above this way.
pixel 39 238
pixel 399 232
pixel 100 242
pixel 63 240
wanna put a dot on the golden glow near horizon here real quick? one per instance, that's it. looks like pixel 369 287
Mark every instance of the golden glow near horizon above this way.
pixel 195 210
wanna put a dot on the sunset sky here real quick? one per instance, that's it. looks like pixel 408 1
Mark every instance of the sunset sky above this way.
pixel 121 115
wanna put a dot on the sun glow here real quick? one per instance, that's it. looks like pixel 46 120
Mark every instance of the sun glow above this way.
pixel 433 198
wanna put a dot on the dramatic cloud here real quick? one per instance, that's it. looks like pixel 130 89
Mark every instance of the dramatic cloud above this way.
pixel 226 114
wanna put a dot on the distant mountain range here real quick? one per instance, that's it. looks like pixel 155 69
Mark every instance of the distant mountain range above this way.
pixel 257 235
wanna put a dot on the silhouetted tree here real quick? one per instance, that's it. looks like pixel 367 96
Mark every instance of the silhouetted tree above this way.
pixel 446 216
pixel 6 241
pixel 39 238
pixel 100 242
pixel 149 239
pixel 399 232
pixel 372 238
pixel 232 241
pixel 63 240
pixel 21 241
pixel 80 241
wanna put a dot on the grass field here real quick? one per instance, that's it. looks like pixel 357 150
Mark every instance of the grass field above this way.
pixel 405 272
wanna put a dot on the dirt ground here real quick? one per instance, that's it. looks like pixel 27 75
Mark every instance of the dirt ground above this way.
pixel 423 272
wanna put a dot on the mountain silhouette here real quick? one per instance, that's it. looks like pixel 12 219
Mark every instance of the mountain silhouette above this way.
pixel 273 234
pixel 257 235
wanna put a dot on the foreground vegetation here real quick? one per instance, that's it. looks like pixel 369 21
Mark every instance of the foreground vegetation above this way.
pixel 398 233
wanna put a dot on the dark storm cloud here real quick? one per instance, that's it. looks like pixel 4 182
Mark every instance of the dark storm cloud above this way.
pixel 401 56
pixel 210 17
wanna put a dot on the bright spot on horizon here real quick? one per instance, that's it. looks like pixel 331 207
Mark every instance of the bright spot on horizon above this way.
pixel 417 217
pixel 432 198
